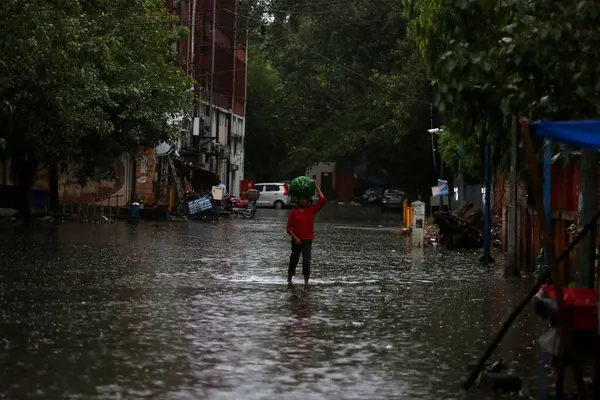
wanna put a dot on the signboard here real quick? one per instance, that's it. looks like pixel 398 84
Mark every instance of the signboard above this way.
pixel 418 209
pixel 441 189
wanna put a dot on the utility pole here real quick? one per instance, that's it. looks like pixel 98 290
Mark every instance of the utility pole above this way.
pixel 512 267
pixel 212 65
pixel 588 193
pixel 441 171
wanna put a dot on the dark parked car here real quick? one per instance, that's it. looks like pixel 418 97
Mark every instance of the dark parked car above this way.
pixel 372 196
pixel 392 198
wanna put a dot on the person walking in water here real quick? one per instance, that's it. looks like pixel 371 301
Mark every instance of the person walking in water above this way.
pixel 300 227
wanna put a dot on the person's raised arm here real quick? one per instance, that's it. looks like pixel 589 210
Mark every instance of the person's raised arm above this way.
pixel 322 199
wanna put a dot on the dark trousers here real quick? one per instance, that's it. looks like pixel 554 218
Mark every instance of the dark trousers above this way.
pixel 304 248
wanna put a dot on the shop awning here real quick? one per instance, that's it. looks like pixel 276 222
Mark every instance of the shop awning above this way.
pixel 583 134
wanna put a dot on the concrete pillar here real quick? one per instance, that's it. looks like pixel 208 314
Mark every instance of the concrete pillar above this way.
pixel 418 228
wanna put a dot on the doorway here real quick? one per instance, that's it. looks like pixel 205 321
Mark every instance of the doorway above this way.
pixel 327 183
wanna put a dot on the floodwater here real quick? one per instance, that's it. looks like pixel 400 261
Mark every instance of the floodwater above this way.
pixel 187 310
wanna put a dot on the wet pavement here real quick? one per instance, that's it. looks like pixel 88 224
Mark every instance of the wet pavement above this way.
pixel 194 311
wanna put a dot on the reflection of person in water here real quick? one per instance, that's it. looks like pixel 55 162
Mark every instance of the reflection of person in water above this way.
pixel 299 332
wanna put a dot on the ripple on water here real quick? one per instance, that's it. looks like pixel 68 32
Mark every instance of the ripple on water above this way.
pixel 190 311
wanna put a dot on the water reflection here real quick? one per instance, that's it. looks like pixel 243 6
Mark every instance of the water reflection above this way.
pixel 298 348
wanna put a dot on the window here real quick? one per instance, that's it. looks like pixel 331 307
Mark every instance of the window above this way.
pixel 272 188
pixel 260 188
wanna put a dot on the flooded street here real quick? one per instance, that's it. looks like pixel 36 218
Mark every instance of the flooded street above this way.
pixel 186 310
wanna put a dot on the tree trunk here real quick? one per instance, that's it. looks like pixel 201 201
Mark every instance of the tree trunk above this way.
pixel 53 187
pixel 24 170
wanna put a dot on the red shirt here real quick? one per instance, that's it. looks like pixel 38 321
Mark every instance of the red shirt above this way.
pixel 301 221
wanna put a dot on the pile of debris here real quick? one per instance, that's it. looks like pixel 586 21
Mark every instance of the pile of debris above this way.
pixel 461 229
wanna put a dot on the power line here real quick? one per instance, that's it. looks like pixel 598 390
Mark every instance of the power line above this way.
pixel 335 62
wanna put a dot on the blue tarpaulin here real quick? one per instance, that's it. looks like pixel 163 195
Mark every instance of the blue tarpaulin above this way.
pixel 584 134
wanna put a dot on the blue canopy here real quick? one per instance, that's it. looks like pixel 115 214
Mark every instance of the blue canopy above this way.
pixel 584 134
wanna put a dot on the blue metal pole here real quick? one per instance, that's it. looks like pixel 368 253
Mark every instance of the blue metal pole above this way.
pixel 543 373
pixel 487 234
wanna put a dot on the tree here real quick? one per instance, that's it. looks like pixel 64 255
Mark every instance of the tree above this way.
pixel 492 59
pixel 266 145
pixel 354 83
pixel 86 81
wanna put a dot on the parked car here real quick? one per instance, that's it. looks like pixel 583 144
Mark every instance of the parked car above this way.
pixel 372 196
pixel 392 198
pixel 272 195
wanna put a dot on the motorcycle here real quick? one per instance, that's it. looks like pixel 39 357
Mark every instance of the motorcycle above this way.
pixel 235 205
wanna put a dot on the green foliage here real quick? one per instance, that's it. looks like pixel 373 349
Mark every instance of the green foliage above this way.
pixel 87 81
pixel 492 59
pixel 351 88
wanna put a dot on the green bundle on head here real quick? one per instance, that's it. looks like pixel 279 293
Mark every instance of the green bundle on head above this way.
pixel 302 187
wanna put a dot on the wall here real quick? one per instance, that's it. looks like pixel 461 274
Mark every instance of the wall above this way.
pixel 318 169
pixel 94 192
pixel 346 184
pixel 222 120
pixel 237 154
pixel 144 173
pixel 564 206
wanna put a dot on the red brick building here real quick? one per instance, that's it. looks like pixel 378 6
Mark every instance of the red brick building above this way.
pixel 214 53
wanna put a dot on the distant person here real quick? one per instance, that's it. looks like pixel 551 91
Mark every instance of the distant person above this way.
pixel 221 185
pixel 300 227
